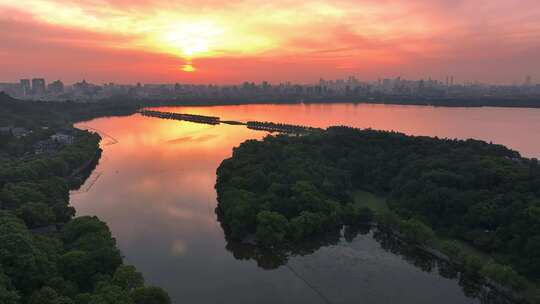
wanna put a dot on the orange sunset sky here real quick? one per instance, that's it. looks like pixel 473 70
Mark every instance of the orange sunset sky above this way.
pixel 209 41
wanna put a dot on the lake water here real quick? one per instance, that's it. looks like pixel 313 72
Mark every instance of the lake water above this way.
pixel 154 186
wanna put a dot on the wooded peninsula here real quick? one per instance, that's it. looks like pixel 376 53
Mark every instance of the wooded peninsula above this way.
pixel 476 203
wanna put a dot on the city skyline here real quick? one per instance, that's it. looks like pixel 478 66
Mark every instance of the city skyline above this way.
pixel 349 87
pixel 299 41
pixel 525 80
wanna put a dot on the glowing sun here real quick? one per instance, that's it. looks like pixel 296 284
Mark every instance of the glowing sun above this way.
pixel 194 39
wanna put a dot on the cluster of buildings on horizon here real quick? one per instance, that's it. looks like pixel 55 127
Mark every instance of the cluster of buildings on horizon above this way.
pixel 38 89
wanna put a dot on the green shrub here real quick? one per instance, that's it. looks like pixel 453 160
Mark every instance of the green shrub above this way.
pixel 504 275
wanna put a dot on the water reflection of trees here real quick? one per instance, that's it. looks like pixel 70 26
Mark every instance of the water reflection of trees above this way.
pixel 274 258
pixel 473 287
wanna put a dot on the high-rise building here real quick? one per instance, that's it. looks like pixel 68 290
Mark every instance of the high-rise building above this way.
pixel 528 80
pixel 56 87
pixel 25 87
pixel 38 86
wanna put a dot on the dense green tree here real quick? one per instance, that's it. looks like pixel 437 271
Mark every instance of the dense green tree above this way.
pixel 8 296
pixel 15 195
pixel 304 225
pixel 271 228
pixel 63 286
pixel 36 214
pixel 78 266
pixel 452 250
pixel 150 295
pixel 127 277
pixel 241 215
pixel 416 231
pixel 388 219
pixel 503 275
pixel 92 237
pixel 22 262
pixel 353 214
pixel 364 215
pixel 110 294
pixel 47 295
pixel 472 264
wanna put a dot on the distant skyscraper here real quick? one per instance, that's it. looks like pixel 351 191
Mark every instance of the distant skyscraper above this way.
pixel 528 80
pixel 25 86
pixel 38 86
pixel 56 87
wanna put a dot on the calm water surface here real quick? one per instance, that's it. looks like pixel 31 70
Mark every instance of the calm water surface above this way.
pixel 154 186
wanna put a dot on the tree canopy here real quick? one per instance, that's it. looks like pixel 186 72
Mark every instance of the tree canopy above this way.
pixel 283 189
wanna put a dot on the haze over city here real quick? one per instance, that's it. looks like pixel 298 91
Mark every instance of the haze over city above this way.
pixel 301 41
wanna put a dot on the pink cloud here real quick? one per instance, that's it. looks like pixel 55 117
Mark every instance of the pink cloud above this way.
pixel 496 40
